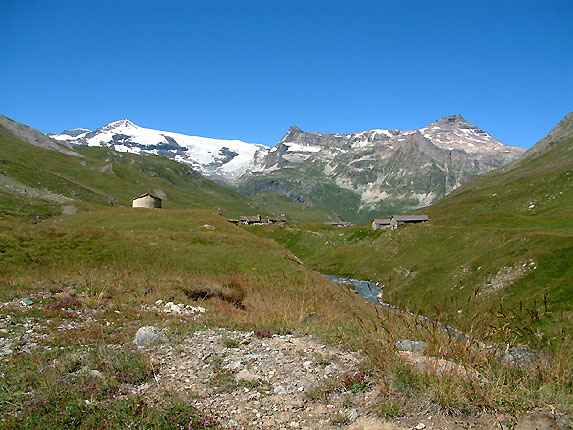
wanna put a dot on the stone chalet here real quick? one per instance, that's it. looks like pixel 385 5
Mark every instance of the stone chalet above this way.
pixel 251 219
pixel 397 220
pixel 280 219
pixel 339 223
pixel 381 223
pixel 146 201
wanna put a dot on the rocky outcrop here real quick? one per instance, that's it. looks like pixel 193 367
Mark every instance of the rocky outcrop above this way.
pixel 386 170
pixel 35 137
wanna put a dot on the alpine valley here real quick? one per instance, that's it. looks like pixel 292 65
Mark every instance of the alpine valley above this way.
pixel 355 176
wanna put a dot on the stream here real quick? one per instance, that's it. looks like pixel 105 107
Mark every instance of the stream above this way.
pixel 373 293
pixel 516 356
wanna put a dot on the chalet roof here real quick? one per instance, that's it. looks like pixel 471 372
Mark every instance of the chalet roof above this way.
pixel 406 218
pixel 382 221
pixel 145 195
pixel 251 217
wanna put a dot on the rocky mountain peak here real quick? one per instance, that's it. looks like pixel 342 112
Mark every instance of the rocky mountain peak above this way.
pixel 293 134
pixel 121 123
pixel 451 121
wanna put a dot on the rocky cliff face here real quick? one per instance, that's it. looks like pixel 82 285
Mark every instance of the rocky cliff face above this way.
pixel 376 172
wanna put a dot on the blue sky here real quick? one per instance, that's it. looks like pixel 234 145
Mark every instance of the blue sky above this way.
pixel 250 69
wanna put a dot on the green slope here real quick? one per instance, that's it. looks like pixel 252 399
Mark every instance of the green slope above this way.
pixel 40 182
pixel 497 251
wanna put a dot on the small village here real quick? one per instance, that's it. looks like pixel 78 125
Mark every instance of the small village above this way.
pixel 150 201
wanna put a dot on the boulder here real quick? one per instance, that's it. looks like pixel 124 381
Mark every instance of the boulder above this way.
pixel 147 335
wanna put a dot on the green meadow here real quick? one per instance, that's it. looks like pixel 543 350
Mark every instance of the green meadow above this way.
pixel 494 261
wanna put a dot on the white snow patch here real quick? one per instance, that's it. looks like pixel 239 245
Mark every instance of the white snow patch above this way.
pixel 201 151
pixel 296 147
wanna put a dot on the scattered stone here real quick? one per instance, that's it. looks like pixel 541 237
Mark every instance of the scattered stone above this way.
pixel 245 375
pixel 420 426
pixel 208 227
pixel 263 383
pixel 176 309
pixel 26 302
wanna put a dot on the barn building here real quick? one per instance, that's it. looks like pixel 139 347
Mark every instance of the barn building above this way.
pixel 397 220
pixel 381 223
pixel 146 201
pixel 280 220
pixel 251 219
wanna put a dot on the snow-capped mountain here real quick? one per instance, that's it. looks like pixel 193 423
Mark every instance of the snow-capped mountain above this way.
pixel 376 171
pixel 215 158
pixel 357 175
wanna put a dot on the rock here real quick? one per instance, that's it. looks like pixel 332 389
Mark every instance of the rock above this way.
pixel 26 302
pixel 352 415
pixel 521 356
pixel 420 426
pixel 96 374
pixel 280 390
pixel 172 307
pixel 245 375
pixel 147 335
pixel 208 227
pixel 411 345
pixel 234 365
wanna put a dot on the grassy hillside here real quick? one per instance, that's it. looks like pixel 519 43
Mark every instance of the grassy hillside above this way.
pixel 110 266
pixel 279 204
pixel 41 178
pixel 496 253
pixel 75 288
pixel 39 182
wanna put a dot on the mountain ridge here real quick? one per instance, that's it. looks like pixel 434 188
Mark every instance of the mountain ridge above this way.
pixel 219 159
pixel 379 171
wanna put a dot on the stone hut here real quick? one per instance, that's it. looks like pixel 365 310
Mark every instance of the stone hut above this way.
pixel 397 220
pixel 381 223
pixel 251 219
pixel 146 201
pixel 281 219
pixel 339 223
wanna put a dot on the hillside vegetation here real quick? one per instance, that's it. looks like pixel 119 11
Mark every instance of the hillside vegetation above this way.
pixel 40 182
pixel 75 288
pixel 111 266
pixel 496 253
